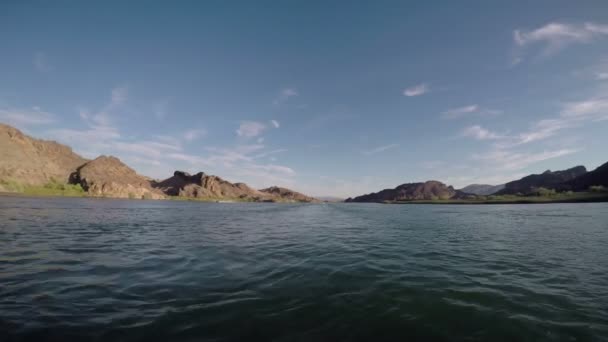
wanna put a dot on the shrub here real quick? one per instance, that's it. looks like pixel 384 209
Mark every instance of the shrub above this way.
pixel 544 192
pixel 598 188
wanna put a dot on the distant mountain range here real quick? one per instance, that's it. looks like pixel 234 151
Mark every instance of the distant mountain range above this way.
pixel 575 179
pixel 431 190
pixel 34 162
pixel 547 179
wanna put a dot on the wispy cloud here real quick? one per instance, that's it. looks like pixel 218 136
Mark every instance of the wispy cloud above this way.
pixel 417 90
pixel 194 134
pixel 250 129
pixel 460 111
pixel 480 133
pixel 284 95
pixel 555 36
pixel 275 123
pixel 474 109
pixel 102 117
pixel 380 149
pixel 518 160
pixel 41 62
pixel 26 117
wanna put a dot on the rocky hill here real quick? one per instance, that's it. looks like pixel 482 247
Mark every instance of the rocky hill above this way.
pixel 430 190
pixel 597 177
pixel 547 179
pixel 107 176
pixel 201 185
pixel 27 161
pixel 31 161
pixel 482 189
pixel 288 195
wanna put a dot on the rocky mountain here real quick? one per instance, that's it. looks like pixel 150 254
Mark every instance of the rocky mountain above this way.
pixel 107 176
pixel 583 182
pixel 31 161
pixel 201 185
pixel 28 161
pixel 548 179
pixel 288 195
pixel 482 189
pixel 430 190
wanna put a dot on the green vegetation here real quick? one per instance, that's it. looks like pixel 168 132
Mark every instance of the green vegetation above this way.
pixel 598 188
pixel 52 188
pixel 541 195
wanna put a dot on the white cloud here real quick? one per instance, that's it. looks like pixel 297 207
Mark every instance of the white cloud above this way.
pixel 26 117
pixel 284 95
pixel 474 109
pixel 268 153
pixel 594 108
pixel 509 160
pixel 417 90
pixel 194 134
pixel 460 111
pixel 250 129
pixel 555 36
pixel 275 123
pixel 601 76
pixel 480 133
pixel 41 62
pixel 380 149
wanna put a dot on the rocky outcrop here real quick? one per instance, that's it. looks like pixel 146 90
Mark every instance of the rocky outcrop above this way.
pixel 547 179
pixel 597 177
pixel 482 189
pixel 430 190
pixel 201 185
pixel 289 195
pixel 107 176
pixel 31 161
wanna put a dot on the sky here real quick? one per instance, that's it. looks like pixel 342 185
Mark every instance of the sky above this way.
pixel 330 98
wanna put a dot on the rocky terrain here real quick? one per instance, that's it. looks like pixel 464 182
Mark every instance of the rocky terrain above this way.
pixel 107 176
pixel 29 161
pixel 201 185
pixel 482 189
pixel 430 190
pixel 33 161
pixel 288 195
pixel 547 179
pixel 597 177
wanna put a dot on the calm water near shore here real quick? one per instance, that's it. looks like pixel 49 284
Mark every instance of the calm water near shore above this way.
pixel 119 270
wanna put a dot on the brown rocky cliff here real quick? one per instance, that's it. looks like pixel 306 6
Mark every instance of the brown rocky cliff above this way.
pixel 34 161
pixel 107 176
pixel 289 195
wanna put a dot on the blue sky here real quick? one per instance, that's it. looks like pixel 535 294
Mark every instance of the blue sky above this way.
pixel 329 98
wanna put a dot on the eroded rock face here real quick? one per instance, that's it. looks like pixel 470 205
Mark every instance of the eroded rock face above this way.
pixel 201 185
pixel 107 176
pixel 431 190
pixel 289 195
pixel 27 160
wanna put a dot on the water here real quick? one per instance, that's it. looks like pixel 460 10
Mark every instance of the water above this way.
pixel 116 270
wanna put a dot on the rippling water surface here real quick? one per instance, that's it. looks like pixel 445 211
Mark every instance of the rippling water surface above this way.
pixel 84 269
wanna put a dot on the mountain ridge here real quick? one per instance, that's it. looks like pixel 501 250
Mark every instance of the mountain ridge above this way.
pixel 26 160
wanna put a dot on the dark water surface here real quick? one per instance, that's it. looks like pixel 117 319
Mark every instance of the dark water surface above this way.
pixel 113 270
